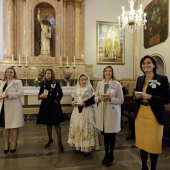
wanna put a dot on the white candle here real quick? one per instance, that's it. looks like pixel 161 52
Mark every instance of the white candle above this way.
pixel 61 61
pixel 19 60
pixel 74 61
pixel 67 61
pixel 26 61
pixel 12 59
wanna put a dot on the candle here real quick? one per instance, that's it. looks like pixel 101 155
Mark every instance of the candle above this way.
pixel 12 59
pixel 67 61
pixel 74 61
pixel 26 61
pixel 19 60
pixel 61 61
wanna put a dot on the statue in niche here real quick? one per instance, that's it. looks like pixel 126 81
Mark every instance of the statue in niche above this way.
pixel 45 34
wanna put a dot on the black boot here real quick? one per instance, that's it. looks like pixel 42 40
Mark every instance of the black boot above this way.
pixel 110 160
pixel 61 149
pixel 104 161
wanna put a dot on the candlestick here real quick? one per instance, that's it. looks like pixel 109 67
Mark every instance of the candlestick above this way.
pixel 26 82
pixel 67 61
pixel 74 67
pixel 19 71
pixel 19 60
pixel 12 59
pixel 74 61
pixel 26 61
pixel 61 75
pixel 61 64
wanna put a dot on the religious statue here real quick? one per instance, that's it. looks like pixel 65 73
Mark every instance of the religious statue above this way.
pixel 45 34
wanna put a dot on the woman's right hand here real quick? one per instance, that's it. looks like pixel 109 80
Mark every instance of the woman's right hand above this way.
pixel 43 95
pixel 101 98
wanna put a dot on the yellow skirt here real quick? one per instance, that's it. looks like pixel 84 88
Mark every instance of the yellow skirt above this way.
pixel 148 131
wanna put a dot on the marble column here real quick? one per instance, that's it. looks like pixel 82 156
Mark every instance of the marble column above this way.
pixel 9 31
pixel 65 27
pixel 77 30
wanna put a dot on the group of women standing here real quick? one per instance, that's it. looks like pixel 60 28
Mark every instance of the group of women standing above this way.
pixel 93 112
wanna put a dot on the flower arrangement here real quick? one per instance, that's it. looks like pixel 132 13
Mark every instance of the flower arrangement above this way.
pixel 67 76
pixel 39 77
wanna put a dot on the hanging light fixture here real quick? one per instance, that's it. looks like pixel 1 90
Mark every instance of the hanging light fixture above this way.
pixel 132 20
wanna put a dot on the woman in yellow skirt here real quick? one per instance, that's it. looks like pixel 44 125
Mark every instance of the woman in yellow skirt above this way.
pixel 152 92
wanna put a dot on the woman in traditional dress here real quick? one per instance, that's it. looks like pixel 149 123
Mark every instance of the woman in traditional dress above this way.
pixel 11 116
pixel 152 92
pixel 50 112
pixel 109 97
pixel 82 132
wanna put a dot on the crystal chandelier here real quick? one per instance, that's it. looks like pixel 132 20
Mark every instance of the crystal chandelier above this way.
pixel 133 19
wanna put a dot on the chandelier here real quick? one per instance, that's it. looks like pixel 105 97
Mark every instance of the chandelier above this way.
pixel 132 20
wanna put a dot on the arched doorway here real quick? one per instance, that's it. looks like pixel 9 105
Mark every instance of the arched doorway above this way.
pixel 161 63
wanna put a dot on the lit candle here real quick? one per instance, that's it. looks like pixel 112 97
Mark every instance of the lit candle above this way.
pixel 12 59
pixel 26 61
pixel 74 61
pixel 67 61
pixel 19 60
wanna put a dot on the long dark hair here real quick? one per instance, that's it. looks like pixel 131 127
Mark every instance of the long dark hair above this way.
pixel 52 75
pixel 153 61
pixel 113 75
pixel 10 68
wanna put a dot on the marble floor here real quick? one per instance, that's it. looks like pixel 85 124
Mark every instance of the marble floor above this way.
pixel 31 154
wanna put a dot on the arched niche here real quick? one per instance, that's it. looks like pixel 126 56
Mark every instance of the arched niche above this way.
pixel 45 9
pixel 160 63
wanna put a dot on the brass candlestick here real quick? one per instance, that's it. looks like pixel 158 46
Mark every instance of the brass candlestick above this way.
pixel 61 67
pixel 74 67
pixel 26 82
pixel 19 67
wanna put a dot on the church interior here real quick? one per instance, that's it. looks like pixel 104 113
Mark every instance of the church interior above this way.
pixel 73 37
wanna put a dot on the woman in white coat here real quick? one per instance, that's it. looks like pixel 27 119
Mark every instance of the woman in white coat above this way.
pixel 11 117
pixel 109 97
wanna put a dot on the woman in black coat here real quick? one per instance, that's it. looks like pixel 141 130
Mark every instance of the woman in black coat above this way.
pixel 50 112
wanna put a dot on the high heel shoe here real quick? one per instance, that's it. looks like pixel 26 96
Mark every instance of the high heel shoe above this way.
pixel 7 150
pixel 49 143
pixel 13 150
pixel 61 149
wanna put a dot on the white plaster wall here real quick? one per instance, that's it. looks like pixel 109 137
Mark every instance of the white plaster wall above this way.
pixel 163 48
pixel 1 30
pixel 106 10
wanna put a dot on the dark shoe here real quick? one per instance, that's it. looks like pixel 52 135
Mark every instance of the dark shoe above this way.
pixel 86 154
pixel 49 143
pixel 145 167
pixel 7 150
pixel 13 150
pixel 109 161
pixel 61 149
pixel 77 151
pixel 130 137
pixel 104 161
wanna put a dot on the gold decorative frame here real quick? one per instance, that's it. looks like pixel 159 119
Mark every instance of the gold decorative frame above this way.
pixel 110 43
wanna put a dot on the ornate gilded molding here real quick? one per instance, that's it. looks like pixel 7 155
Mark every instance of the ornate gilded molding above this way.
pixel 64 3
pixel 77 4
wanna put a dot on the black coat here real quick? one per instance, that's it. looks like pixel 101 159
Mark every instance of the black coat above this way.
pixel 160 96
pixel 50 112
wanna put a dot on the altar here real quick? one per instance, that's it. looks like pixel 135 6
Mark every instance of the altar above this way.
pixel 30 102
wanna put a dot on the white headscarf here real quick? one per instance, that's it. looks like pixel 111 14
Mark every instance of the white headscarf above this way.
pixel 87 88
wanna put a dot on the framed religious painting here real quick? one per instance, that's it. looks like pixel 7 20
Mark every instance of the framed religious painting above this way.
pixel 110 43
pixel 157 23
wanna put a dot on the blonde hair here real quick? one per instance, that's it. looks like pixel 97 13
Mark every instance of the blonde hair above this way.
pixel 10 68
